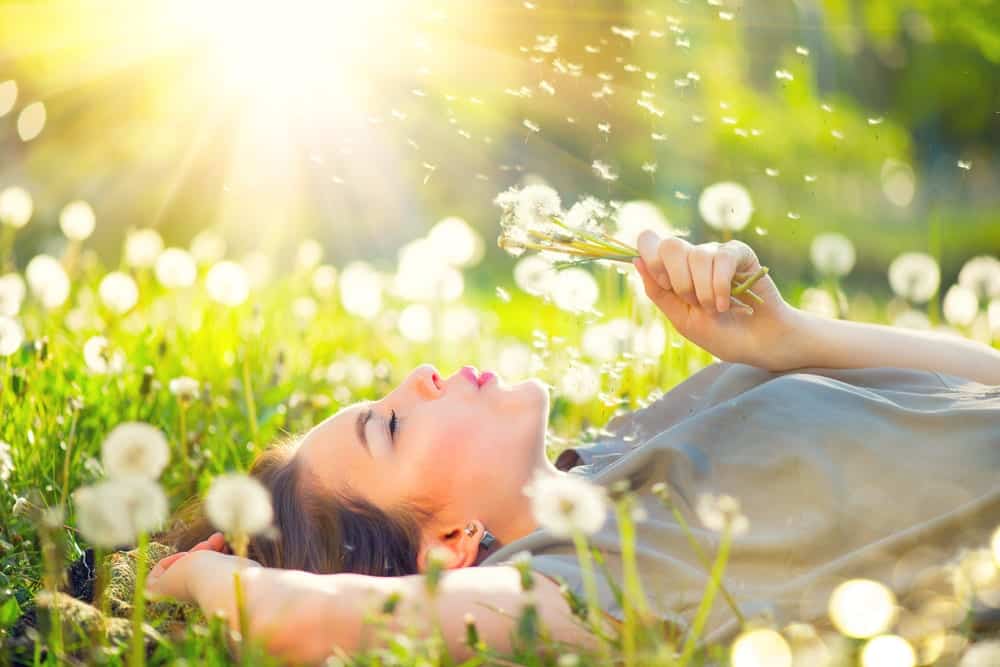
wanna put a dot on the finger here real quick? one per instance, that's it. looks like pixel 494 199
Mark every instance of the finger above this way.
pixel 215 542
pixel 648 244
pixel 666 300
pixel 700 261
pixel 673 253
pixel 722 277
pixel 164 563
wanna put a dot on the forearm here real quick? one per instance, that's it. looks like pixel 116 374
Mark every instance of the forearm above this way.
pixel 826 343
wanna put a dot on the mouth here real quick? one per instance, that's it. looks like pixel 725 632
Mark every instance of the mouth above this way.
pixel 475 377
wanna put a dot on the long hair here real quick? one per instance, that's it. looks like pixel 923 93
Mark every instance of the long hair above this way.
pixel 317 531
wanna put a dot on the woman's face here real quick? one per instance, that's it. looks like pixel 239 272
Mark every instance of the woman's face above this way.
pixel 469 447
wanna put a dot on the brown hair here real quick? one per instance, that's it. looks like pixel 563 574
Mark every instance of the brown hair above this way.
pixel 317 531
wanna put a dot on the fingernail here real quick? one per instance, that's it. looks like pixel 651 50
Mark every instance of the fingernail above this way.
pixel 720 304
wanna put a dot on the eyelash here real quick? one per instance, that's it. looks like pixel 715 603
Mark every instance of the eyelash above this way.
pixel 393 425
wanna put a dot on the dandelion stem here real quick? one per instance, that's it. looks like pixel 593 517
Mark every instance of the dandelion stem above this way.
pixel 248 394
pixel 633 587
pixel 590 586
pixel 67 456
pixel 241 614
pixel 137 655
pixel 705 607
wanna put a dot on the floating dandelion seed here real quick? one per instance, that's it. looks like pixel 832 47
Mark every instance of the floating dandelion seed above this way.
pixel 239 505
pixel 727 16
pixel 8 97
pixel 564 505
pixel 547 87
pixel 77 220
pixel 118 292
pixel 604 170
pixel 31 121
pixel 112 513
pixel 531 125
pixel 11 336
pixel 656 136
pixel 761 647
pixel 681 195
pixel 12 293
pixel 965 164
pixel 784 74
pixel 725 206
pixel 876 121
pixel 503 294
pixel 760 231
pixel 16 207
pixel 604 128
pixel 862 608
pixel 914 276
pixel 135 449
pixel 142 248
pixel 649 167
pixel 175 268
pixel 771 172
pixel 837 134
pixel 809 178
pixel 627 33
pixel 792 215
pixel 832 254
pixel 802 51
pixel 826 107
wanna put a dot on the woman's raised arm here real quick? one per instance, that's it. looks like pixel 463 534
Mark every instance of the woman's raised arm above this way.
pixel 302 617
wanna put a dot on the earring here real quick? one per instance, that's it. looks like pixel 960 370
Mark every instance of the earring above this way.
pixel 487 540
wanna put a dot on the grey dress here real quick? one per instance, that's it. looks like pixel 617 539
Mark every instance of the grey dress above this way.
pixel 842 473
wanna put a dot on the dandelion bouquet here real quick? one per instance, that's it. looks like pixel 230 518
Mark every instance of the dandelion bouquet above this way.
pixel 533 219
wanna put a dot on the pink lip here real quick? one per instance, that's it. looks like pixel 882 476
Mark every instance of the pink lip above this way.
pixel 470 373
pixel 485 377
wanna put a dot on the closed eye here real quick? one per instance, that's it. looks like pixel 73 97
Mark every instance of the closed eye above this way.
pixel 393 425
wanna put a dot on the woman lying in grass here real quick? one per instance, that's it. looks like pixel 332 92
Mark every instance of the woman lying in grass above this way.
pixel 855 450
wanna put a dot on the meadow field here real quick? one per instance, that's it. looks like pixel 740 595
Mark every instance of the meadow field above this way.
pixel 226 243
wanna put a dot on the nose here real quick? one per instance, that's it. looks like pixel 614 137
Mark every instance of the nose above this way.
pixel 426 380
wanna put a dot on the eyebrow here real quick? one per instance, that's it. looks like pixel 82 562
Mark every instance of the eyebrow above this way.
pixel 363 417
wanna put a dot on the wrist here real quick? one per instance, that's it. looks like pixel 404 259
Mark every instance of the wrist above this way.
pixel 793 341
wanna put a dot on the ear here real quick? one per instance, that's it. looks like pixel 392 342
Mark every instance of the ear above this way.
pixel 464 550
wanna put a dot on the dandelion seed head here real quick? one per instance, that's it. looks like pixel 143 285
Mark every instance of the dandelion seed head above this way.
pixel 48 281
pixel 77 220
pixel 112 513
pixel 898 182
pixel 888 651
pixel 135 449
pixel 6 465
pixel 725 206
pixel 308 255
pixel 11 336
pixel 142 247
pixel 238 504
pixel 100 358
pixel 456 242
pixel 228 283
pixel 185 388
pixel 208 247
pixel 717 512
pixel 16 207
pixel 416 323
pixel 982 654
pixel 324 280
pixel 361 289
pixel 579 383
pixel 832 254
pixel 980 274
pixel 258 266
pixel 960 306
pixel 862 608
pixel 175 268
pixel 12 293
pixel 574 290
pixel 563 505
pixel 761 647
pixel 119 292
pixel 914 276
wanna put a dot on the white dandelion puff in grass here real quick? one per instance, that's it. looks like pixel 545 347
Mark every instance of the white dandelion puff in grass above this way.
pixel 238 504
pixel 361 289
pixel 142 247
pixel 8 96
pixel 11 336
pixel 563 505
pixel 980 274
pixel 48 281
pixel 176 268
pixel 862 608
pixel 574 290
pixel 725 206
pixel 100 358
pixel 12 293
pixel 6 462
pixel 456 242
pixel 208 247
pixel 228 283
pixel 914 276
pixel 535 275
pixel 960 306
pixel 16 207
pixel 113 512
pixel 185 388
pixel 118 292
pixel 832 254
pixel 308 255
pixel 579 383
pixel 77 220
pixel 135 449
pixel 31 121
pixel 324 280
pixel 719 512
